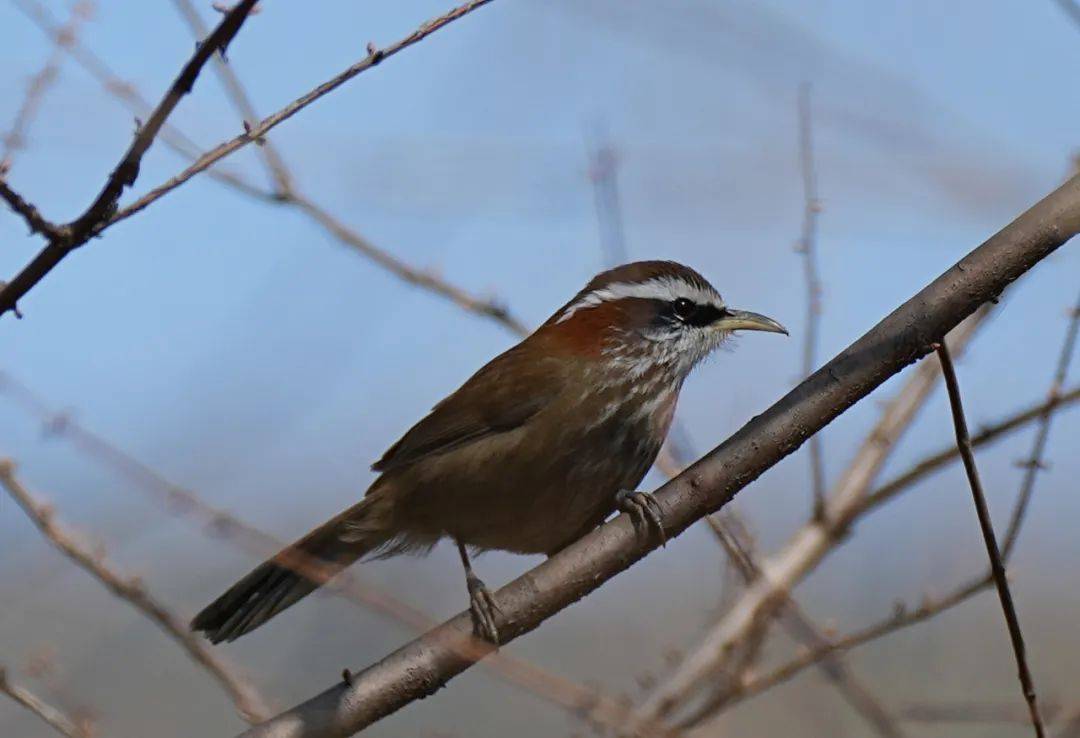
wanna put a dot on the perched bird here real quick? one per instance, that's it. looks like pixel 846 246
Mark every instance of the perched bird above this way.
pixel 532 452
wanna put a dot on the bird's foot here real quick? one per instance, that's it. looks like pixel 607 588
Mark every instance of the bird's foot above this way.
pixel 483 609
pixel 644 510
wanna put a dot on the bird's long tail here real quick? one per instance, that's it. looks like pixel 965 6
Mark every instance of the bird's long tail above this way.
pixel 295 572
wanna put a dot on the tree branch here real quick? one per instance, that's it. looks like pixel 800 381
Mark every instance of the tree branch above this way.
pixel 997 566
pixel 256 132
pixel 419 668
pixel 246 698
pixel 61 722
pixel 79 231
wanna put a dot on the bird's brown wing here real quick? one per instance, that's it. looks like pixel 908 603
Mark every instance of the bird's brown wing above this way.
pixel 500 397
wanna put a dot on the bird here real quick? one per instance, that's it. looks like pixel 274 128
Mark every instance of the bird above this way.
pixel 532 452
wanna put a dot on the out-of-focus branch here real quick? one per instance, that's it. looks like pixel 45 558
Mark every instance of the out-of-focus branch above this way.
pixel 424 279
pixel 585 702
pixel 800 627
pixel 76 233
pixel 972 712
pixel 1034 462
pixel 807 548
pixel 904 617
pixel 56 718
pixel 236 92
pixel 997 565
pixel 130 589
pixel 126 93
pixel 808 248
pixel 15 138
pixel 904 336
pixel 1072 9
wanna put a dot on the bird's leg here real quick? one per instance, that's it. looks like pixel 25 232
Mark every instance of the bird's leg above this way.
pixel 644 510
pixel 481 603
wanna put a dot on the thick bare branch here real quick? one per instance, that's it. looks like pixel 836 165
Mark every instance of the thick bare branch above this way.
pixel 56 718
pixel 997 565
pixel 76 233
pixel 906 335
pixel 132 590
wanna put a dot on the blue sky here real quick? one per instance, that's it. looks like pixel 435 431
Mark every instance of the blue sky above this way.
pixel 247 354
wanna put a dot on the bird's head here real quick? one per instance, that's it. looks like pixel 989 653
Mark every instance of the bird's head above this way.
pixel 650 316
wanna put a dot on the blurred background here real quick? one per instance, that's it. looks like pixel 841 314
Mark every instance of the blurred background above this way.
pixel 239 349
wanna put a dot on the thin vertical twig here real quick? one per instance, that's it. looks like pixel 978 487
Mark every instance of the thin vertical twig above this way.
pixel 1034 463
pixel 808 248
pixel 244 695
pixel 997 566
pixel 53 716
pixel 603 173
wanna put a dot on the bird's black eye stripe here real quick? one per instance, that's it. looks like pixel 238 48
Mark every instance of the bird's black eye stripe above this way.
pixel 690 313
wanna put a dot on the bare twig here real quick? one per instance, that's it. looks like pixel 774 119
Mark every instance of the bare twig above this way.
pixel 1034 461
pixel 61 722
pixel 15 138
pixel 904 617
pixel 38 223
pixel 424 279
pixel 255 132
pixel 807 547
pixel 808 249
pixel 132 590
pixel 799 625
pixel 77 232
pixel 603 173
pixel 905 335
pixel 997 566
pixel 126 93
pixel 236 92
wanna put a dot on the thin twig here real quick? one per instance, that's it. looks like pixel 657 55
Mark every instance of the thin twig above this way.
pixel 126 93
pixel 808 249
pixel 15 139
pixel 37 222
pixel 425 279
pixel 256 132
pixel 77 232
pixel 56 718
pixel 905 335
pixel 132 590
pixel 904 617
pixel 997 566
pixel 236 92
pixel 1034 463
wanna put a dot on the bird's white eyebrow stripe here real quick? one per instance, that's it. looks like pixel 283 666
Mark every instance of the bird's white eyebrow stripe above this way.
pixel 657 288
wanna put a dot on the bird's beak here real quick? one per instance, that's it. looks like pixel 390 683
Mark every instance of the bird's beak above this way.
pixel 744 320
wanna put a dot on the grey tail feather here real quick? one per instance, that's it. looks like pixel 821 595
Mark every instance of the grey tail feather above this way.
pixel 295 572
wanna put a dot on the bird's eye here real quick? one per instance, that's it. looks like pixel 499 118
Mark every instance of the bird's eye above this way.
pixel 683 308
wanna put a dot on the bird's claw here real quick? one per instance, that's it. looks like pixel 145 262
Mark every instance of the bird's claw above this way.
pixel 483 609
pixel 644 510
